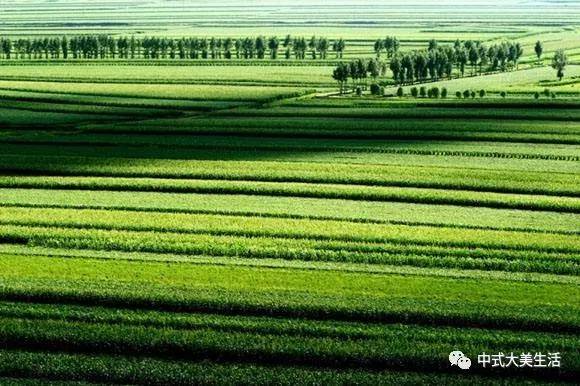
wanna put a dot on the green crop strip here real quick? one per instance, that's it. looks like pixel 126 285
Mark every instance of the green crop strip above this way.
pixel 117 369
pixel 288 228
pixel 259 291
pixel 297 208
pixel 408 253
pixel 368 193
pixel 546 183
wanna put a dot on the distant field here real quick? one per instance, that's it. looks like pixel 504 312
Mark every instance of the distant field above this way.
pixel 158 91
pixel 314 76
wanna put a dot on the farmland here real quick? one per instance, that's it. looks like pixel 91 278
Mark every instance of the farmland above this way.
pixel 232 221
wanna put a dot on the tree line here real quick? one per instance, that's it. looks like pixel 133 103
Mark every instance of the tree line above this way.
pixel 358 72
pixel 435 63
pixel 440 62
pixel 110 47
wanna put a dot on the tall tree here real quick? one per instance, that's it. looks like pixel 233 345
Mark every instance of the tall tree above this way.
pixel 539 49
pixel 322 47
pixel 473 58
pixel 287 43
pixel 64 47
pixel 341 74
pixel 273 45
pixel 228 44
pixel 462 60
pixel 374 68
pixel 260 47
pixel 433 44
pixel 559 63
pixel 239 48
pixel 361 69
pixel 133 46
pixel 379 47
pixel 408 67
pixel 397 69
pixel 312 45
pixel 339 47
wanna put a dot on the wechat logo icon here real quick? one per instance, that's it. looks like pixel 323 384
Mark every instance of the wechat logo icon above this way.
pixel 457 358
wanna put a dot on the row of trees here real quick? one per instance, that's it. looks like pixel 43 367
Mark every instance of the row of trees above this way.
pixel 109 47
pixel 440 62
pixel 435 63
pixel 390 45
pixel 358 72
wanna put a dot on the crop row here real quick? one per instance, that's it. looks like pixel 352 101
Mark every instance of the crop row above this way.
pixel 91 100
pixel 172 74
pixel 298 208
pixel 186 144
pixel 288 228
pixel 329 125
pixel 570 114
pixel 121 113
pixel 306 294
pixel 164 91
pixel 313 82
pixel 22 367
pixel 12 118
pixel 418 135
pixel 288 265
pixel 435 129
pixel 289 327
pixel 362 102
pixel 401 348
pixel 499 181
pixel 562 262
pixel 332 191
pixel 18 143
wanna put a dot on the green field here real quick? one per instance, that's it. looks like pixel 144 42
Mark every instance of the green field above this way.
pixel 167 222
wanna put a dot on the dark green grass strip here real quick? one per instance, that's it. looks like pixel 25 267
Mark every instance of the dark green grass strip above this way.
pixel 528 113
pixel 135 145
pixel 402 348
pixel 298 124
pixel 498 181
pixel 42 367
pixel 145 102
pixel 120 112
pixel 347 128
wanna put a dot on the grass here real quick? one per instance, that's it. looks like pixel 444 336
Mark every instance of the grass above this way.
pixel 132 102
pixel 452 112
pixel 421 254
pixel 255 291
pixel 498 181
pixel 161 91
pixel 123 369
pixel 269 348
pixel 209 74
pixel 334 191
pixel 16 118
pixel 284 228
pixel 289 207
